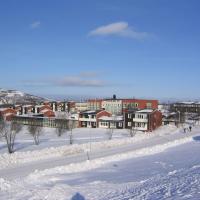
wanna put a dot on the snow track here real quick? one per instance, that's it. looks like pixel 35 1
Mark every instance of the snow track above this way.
pixel 183 184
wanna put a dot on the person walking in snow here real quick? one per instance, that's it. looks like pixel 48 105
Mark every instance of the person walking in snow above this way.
pixel 190 128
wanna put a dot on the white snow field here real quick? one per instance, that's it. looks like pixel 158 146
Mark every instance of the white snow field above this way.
pixel 164 164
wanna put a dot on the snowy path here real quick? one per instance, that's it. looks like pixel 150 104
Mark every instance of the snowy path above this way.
pixel 23 170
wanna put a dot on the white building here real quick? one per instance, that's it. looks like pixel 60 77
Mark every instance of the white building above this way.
pixel 113 106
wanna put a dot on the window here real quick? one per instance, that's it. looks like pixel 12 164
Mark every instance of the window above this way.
pixel 140 116
pixel 129 123
pixel 129 116
pixel 149 105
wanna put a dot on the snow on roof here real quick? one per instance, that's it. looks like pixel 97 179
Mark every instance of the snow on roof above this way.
pixel 145 111
pixel 39 106
pixel 26 106
pixel 187 102
pixel 45 110
pixel 3 109
pixel 8 114
pixel 113 118
pixel 89 112
pixel 18 105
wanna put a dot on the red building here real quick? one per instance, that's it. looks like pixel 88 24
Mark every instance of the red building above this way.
pixel 47 113
pixel 7 113
pixel 139 104
pixel 94 104
pixel 146 120
pixel 119 106
pixel 71 106
pixel 45 110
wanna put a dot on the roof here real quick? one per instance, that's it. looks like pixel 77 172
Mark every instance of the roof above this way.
pixel 187 102
pixel 89 112
pixel 26 106
pixel 3 109
pixel 113 118
pixel 40 106
pixel 45 110
pixel 145 111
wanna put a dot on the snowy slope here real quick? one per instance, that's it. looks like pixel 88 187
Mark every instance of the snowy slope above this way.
pixel 14 97
pixel 164 165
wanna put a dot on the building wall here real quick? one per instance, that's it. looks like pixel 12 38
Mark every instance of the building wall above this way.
pixel 186 107
pixel 94 104
pixel 140 121
pixel 71 106
pixel 155 120
pixel 8 113
pixel 143 121
pixel 139 104
pixel 81 106
pixel 49 113
pixel 91 119
pixel 113 106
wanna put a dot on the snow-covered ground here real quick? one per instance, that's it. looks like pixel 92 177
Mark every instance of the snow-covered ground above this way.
pixel 52 146
pixel 162 165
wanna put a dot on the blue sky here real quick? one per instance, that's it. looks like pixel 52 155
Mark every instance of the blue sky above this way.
pixel 140 48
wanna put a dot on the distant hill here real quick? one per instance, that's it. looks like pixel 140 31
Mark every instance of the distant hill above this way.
pixel 18 97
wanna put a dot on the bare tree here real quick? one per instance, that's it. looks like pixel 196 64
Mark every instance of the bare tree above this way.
pixel 112 127
pixel 110 130
pixel 35 131
pixel 61 123
pixel 61 126
pixel 132 131
pixel 71 126
pixel 9 130
pixel 110 133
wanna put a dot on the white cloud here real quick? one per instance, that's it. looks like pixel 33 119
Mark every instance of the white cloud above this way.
pixel 84 79
pixel 35 25
pixel 79 81
pixel 119 29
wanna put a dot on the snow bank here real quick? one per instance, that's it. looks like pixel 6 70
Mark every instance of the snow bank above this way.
pixel 96 163
pixel 17 158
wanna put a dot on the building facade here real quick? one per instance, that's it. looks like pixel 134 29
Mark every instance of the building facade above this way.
pixel 115 122
pixel 94 104
pixel 186 107
pixel 143 120
pixel 113 106
pixel 81 106
pixel 90 119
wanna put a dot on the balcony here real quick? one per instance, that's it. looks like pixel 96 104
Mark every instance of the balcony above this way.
pixel 140 120
pixel 87 119
pixel 140 128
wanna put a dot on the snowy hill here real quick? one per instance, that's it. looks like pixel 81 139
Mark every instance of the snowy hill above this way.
pixel 162 165
pixel 15 97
